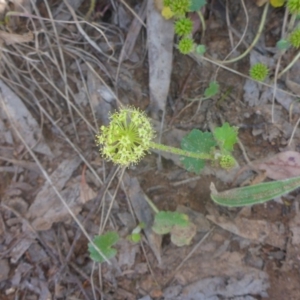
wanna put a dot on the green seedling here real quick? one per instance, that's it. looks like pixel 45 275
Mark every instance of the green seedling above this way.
pixel 212 90
pixel 164 221
pixel 181 229
pixel 197 141
pixel 254 194
pixel 178 225
pixel 135 236
pixel 129 136
pixel 104 243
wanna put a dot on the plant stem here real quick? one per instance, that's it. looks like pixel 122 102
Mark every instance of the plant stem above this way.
pixel 259 31
pixel 202 23
pixel 295 59
pixel 178 151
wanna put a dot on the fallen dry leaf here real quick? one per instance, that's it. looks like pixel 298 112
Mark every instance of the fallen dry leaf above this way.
pixel 280 166
pixel 86 192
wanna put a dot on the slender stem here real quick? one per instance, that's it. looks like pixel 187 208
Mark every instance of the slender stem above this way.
pixel 152 205
pixel 290 65
pixel 181 152
pixel 292 22
pixel 258 34
pixel 202 23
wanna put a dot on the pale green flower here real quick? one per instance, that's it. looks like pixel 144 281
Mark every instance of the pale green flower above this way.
pixel 127 138
pixel 294 38
pixel 293 6
pixel 259 71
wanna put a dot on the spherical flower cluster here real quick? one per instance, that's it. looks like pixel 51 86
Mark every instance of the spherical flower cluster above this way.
pixel 183 26
pixel 180 7
pixel 293 6
pixel 186 45
pixel 259 72
pixel 294 38
pixel 167 13
pixel 127 138
pixel 227 162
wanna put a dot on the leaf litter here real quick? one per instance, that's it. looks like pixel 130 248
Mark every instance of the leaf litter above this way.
pixel 217 268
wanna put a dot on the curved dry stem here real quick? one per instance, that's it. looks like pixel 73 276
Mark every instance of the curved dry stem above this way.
pixel 198 58
pixel 258 34
pixel 103 222
pixel 242 37
pixel 295 59
pixel 49 180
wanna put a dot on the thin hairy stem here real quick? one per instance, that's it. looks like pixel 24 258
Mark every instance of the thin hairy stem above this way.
pixel 181 152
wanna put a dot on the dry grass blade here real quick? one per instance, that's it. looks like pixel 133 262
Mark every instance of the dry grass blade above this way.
pixel 37 68
pixel 45 174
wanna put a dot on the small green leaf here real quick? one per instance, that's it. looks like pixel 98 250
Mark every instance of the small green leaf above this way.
pixel 164 221
pixel 199 142
pixel 212 89
pixel 104 243
pixel 283 45
pixel 135 237
pixel 197 5
pixel 201 49
pixel 226 136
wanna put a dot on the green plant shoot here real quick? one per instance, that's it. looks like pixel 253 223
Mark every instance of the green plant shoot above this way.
pixel 164 221
pixel 212 90
pixel 104 243
pixel 226 136
pixel 129 136
pixel 182 230
pixel 254 194
pixel 135 236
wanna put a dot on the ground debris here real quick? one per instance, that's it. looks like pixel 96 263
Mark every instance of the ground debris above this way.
pixel 260 231
pixel 143 212
pixel 19 115
pixel 160 33
pixel 47 208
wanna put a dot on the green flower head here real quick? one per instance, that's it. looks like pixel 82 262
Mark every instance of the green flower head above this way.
pixel 259 72
pixel 293 6
pixel 183 26
pixel 186 45
pixel 227 162
pixel 180 7
pixel 294 38
pixel 127 138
